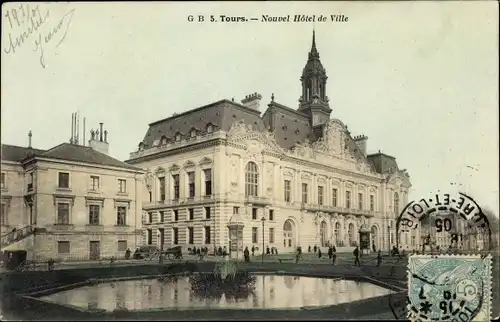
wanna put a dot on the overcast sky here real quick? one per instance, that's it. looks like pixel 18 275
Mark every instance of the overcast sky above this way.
pixel 420 79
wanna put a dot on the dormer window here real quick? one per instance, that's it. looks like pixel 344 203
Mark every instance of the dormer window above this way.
pixel 210 128
pixel 178 137
pixel 141 146
pixel 193 133
pixel 163 140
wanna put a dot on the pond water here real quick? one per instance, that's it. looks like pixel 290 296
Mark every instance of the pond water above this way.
pixel 270 291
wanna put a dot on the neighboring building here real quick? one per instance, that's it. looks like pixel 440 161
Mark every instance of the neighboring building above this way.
pixel 69 202
pixel 300 171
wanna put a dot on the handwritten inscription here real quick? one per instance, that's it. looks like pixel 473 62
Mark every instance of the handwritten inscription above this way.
pixel 35 26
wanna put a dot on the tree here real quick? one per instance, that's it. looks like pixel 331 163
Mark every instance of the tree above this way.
pixel 493 220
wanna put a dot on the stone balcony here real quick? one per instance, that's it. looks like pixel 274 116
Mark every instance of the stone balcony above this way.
pixel 184 202
pixel 260 201
pixel 339 210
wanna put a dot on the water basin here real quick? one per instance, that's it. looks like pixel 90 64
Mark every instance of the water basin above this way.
pixel 269 292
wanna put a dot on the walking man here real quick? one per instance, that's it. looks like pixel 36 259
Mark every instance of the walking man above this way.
pixel 356 256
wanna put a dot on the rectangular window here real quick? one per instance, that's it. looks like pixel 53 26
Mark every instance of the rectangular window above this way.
pixel 150 217
pixel 121 216
pixel 30 181
pixel 191 183
pixel 122 245
pixel 271 214
pixel 150 236
pixel 4 183
pixel 162 188
pixel 208 238
pixel 208 182
pixel 271 235
pixel 94 183
pixel 255 236
pixel 190 235
pixel 63 247
pixel 360 201
pixel 207 212
pixel 175 236
pixel 413 240
pixel 304 193
pixel 254 213
pixel 348 199
pixel 288 190
pixel 63 181
pixel 122 186
pixel 334 197
pixel 176 215
pixel 372 203
pixel 94 214
pixel 191 213
pixel 3 214
pixel 320 195
pixel 162 216
pixel 63 213
pixel 177 190
pixel 236 210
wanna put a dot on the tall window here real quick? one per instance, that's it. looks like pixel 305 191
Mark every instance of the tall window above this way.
pixel 207 235
pixel 30 181
pixel 121 215
pixel 255 236
pixel 320 195
pixel 271 214
pixel 63 213
pixel 323 234
pixel 162 216
pixel 3 184
pixel 251 179
pixel 63 247
pixel 3 214
pixel 304 193
pixel 348 199
pixel 271 235
pixel 191 213
pixel 396 203
pixel 208 182
pixel 175 236
pixel 94 183
pixel 176 215
pixel 122 186
pixel 372 203
pixel 254 213
pixel 337 234
pixel 334 197
pixel 208 212
pixel 360 201
pixel 63 181
pixel 190 235
pixel 162 188
pixel 191 181
pixel 177 190
pixel 350 231
pixel 94 214
pixel 288 190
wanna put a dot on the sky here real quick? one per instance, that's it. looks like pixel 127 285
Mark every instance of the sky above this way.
pixel 420 79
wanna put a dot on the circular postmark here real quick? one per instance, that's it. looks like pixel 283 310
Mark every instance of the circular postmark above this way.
pixel 444 223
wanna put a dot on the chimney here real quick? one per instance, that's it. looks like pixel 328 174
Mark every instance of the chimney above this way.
pixel 29 139
pixel 83 132
pixel 97 142
pixel 252 101
pixel 72 129
pixel 361 143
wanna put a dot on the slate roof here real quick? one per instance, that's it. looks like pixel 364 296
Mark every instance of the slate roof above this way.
pixel 382 162
pixel 64 151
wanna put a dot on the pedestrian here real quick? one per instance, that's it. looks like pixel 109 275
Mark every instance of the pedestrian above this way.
pixel 379 258
pixel 373 246
pixel 319 253
pixel 246 254
pixel 268 250
pixel 356 256
pixel 253 250
pixel 315 249
pixel 330 252
pixel 334 255
pixel 224 252
pixel 309 249
pixel 127 253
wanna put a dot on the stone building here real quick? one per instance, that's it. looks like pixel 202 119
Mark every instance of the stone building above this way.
pixel 69 202
pixel 291 177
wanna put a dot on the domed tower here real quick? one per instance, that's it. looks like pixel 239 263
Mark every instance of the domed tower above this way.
pixel 314 101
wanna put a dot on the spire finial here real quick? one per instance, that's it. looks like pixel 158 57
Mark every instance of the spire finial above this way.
pixel 272 97
pixel 314 51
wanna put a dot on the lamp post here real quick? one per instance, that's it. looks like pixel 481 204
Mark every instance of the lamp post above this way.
pixel 263 221
pixel 389 238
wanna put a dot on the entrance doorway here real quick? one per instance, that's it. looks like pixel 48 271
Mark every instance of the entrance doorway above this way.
pixel 288 235
pixel 95 250
pixel 161 237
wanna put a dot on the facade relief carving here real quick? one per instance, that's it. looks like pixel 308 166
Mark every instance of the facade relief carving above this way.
pixel 244 133
pixel 174 168
pixel 288 173
pixel 148 180
pixel 305 176
pixel 235 163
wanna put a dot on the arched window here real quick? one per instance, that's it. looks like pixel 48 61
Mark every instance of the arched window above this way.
pixel 323 234
pixel 396 203
pixel 177 137
pixel 351 234
pixel 337 234
pixel 251 179
pixel 210 128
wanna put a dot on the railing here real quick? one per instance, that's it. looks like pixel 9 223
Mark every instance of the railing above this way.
pixel 176 202
pixel 257 200
pixel 16 235
pixel 326 208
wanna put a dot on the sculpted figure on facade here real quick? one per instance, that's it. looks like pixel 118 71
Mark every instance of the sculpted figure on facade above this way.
pixel 234 169
pixel 148 180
